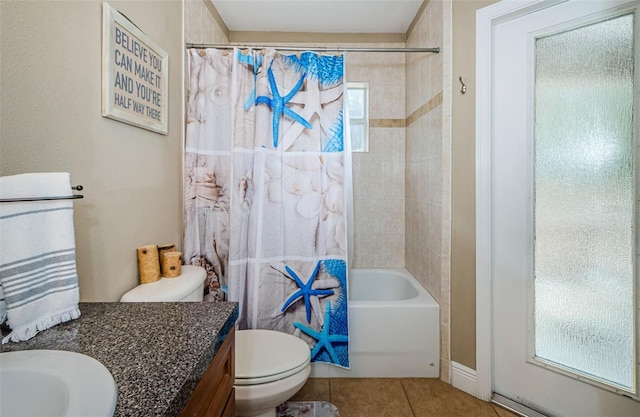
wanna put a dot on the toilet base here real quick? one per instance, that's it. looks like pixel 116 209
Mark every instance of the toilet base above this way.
pixel 261 400
pixel 270 413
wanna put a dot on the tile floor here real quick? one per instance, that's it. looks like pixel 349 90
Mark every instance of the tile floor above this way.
pixel 396 397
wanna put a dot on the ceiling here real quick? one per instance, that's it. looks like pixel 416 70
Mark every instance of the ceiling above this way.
pixel 318 16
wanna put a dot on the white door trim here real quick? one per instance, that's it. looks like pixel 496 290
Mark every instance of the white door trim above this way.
pixel 486 19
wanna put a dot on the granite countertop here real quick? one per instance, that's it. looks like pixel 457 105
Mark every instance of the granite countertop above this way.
pixel 156 352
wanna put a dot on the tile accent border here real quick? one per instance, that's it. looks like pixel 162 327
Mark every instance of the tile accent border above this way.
pixel 387 122
pixel 425 108
pixel 421 111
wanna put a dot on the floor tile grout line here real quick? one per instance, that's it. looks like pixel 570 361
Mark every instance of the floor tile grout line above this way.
pixel 415 408
pixel 407 397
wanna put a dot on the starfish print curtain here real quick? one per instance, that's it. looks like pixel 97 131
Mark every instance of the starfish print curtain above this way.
pixel 265 202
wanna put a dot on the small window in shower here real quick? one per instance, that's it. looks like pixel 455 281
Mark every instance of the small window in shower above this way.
pixel 358 102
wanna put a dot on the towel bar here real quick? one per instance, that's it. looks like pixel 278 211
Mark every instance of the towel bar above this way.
pixel 24 199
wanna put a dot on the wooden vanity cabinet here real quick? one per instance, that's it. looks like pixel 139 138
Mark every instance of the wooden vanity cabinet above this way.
pixel 214 396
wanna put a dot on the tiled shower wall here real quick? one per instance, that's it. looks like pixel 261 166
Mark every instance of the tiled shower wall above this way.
pixel 378 175
pixel 428 162
pixel 402 187
pixel 200 26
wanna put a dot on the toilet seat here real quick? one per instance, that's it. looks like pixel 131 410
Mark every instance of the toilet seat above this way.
pixel 264 356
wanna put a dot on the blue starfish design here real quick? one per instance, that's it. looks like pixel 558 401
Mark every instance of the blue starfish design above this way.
pixel 305 291
pixel 278 105
pixel 255 63
pixel 324 338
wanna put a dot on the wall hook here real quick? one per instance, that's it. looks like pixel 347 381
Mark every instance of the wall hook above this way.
pixel 463 89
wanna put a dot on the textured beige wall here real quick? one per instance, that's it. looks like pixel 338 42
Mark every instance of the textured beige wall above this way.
pixel 200 25
pixel 378 175
pixel 428 223
pixel 424 163
pixel 428 156
pixel 50 118
pixel 463 234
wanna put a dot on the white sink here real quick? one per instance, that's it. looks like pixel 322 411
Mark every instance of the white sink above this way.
pixel 55 383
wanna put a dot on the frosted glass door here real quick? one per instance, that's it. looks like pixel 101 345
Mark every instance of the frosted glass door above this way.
pixel 564 146
pixel 584 217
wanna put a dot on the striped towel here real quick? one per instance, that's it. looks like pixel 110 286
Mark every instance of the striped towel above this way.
pixel 38 278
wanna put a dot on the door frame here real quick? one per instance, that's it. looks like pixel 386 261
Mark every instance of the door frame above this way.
pixel 486 20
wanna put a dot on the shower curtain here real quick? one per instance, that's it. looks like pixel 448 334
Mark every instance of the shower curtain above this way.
pixel 265 206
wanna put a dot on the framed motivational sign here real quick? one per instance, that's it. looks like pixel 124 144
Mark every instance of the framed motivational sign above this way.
pixel 135 74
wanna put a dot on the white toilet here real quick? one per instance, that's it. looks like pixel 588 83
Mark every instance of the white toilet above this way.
pixel 189 286
pixel 270 366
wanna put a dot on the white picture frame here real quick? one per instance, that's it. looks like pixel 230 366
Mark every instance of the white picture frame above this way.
pixel 135 74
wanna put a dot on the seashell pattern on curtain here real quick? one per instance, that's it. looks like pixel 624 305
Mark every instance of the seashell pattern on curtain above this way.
pixel 264 195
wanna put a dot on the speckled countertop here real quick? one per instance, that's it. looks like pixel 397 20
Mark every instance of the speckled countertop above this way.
pixel 156 352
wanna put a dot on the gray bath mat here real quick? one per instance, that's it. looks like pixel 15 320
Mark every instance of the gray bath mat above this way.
pixel 307 409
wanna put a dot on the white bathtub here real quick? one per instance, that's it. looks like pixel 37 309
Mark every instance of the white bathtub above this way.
pixel 394 327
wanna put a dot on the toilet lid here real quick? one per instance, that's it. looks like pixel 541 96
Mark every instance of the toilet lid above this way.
pixel 168 289
pixel 266 355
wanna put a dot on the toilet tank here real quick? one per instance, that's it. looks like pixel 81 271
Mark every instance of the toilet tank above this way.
pixel 188 286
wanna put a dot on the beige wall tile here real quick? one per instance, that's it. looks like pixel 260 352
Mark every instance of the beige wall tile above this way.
pixel 434 275
pixel 368 216
pixel 411 261
pixel 445 310
pixel 434 217
pixel 444 342
pixel 428 158
pixel 413 143
pixel 412 223
pixel 435 283
pixel 194 9
pixel 422 173
pixel 401 187
pixel 378 175
pixel 378 250
pixel 445 279
pixel 211 30
pixel 423 223
pixel 445 371
pixel 200 25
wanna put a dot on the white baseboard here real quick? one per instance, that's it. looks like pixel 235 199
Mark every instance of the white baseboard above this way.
pixel 463 378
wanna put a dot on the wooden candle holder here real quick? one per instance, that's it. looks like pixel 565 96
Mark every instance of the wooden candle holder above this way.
pixel 148 264
pixel 171 264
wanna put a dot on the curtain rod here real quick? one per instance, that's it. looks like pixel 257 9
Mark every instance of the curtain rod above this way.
pixel 311 48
